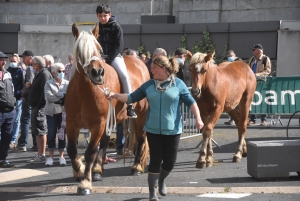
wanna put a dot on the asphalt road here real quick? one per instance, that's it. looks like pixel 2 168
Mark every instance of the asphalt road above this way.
pixel 223 181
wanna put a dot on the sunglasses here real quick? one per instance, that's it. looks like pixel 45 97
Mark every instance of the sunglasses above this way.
pixel 59 71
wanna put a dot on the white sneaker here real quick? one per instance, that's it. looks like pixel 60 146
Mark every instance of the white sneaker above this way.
pixel 62 161
pixel 49 162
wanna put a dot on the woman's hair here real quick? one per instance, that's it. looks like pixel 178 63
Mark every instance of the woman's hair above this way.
pixel 102 9
pixel 40 61
pixel 56 66
pixel 171 64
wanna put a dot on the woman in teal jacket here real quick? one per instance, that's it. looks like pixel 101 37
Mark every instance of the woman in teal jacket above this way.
pixel 163 125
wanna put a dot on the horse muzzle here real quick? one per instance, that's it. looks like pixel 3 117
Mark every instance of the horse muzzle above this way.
pixel 196 92
pixel 97 76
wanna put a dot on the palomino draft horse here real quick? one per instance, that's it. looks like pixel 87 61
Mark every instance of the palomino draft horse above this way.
pixel 86 106
pixel 220 89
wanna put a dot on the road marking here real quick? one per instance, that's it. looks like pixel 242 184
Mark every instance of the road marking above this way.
pixel 20 174
pixel 144 190
pixel 224 195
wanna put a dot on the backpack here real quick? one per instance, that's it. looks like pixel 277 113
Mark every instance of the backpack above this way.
pixel 7 99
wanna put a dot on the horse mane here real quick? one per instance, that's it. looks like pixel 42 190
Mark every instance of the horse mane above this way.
pixel 198 56
pixel 83 51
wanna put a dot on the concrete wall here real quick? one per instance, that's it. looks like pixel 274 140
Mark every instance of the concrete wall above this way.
pixel 288 60
pixel 58 12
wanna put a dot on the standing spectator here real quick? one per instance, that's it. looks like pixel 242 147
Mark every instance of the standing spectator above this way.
pixel 49 61
pixel 163 125
pixel 68 67
pixel 231 57
pixel 144 58
pixel 7 111
pixel 157 52
pixel 180 55
pixel 111 37
pixel 37 102
pixel 26 109
pixel 55 90
pixel 261 66
pixel 17 75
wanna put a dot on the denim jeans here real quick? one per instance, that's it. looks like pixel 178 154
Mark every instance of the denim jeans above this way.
pixel 6 124
pixel 263 117
pixel 25 122
pixel 16 125
pixel 120 137
pixel 54 124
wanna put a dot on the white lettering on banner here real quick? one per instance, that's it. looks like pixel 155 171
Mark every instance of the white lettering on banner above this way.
pixel 292 96
pixel 271 100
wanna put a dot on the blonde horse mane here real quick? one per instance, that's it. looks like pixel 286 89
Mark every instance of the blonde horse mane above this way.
pixel 199 57
pixel 83 51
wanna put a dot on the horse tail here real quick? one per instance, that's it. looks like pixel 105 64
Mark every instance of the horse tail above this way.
pixel 134 140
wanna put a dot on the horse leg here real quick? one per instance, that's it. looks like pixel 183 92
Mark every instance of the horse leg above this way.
pixel 140 160
pixel 241 150
pixel 206 153
pixel 85 186
pixel 77 165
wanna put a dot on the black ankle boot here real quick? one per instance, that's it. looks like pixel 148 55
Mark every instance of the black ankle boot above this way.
pixel 152 183
pixel 130 111
pixel 162 188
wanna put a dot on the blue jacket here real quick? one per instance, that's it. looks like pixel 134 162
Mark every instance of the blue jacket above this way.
pixel 163 115
pixel 17 75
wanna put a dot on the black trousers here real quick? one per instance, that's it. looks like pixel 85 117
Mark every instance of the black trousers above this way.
pixel 163 151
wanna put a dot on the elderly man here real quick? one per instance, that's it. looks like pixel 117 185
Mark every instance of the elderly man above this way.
pixel 68 67
pixel 261 66
pixel 7 111
pixel 49 61
pixel 37 102
pixel 157 52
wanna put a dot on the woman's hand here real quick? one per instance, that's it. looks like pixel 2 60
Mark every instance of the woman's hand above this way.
pixel 110 95
pixel 199 124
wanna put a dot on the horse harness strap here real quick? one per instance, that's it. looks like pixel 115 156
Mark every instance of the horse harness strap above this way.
pixel 111 115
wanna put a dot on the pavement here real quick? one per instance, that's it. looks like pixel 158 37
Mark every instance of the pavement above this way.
pixel 223 181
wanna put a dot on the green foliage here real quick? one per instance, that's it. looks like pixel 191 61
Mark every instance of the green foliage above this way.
pixel 141 48
pixel 183 41
pixel 206 46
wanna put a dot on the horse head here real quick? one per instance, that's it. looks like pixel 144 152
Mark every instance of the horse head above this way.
pixel 198 67
pixel 87 54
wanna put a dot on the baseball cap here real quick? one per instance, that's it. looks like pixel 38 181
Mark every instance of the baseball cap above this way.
pixel 2 55
pixel 180 51
pixel 27 53
pixel 257 46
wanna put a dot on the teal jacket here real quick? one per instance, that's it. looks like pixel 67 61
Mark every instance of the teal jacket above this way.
pixel 163 115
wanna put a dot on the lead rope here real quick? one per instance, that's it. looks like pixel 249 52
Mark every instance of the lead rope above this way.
pixel 111 115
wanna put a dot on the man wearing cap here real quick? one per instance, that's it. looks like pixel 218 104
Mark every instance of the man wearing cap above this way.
pixel 261 66
pixel 26 109
pixel 7 111
pixel 183 71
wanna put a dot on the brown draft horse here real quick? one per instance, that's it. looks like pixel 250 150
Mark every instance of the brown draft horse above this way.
pixel 220 89
pixel 86 106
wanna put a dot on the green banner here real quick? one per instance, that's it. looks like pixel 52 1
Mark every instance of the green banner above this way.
pixel 276 95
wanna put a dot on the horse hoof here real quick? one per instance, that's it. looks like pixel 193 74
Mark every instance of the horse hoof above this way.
pixel 244 155
pixel 236 159
pixel 136 173
pixel 81 191
pixel 97 177
pixel 209 165
pixel 200 165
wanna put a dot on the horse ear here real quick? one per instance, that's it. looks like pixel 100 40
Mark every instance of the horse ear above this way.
pixel 75 31
pixel 96 31
pixel 189 54
pixel 209 56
